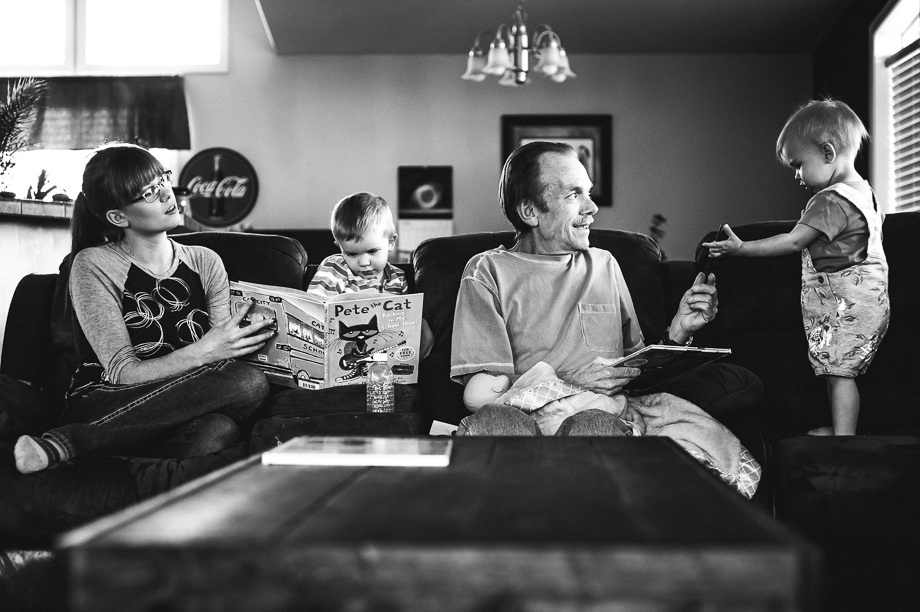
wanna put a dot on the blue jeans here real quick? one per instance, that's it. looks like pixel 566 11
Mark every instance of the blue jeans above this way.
pixel 122 418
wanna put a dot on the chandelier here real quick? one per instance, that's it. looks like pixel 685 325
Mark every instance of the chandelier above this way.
pixel 510 54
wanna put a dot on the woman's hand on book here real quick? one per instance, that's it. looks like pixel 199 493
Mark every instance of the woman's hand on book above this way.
pixel 235 337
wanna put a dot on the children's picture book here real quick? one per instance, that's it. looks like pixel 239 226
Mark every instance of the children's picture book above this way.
pixel 660 362
pixel 361 450
pixel 327 344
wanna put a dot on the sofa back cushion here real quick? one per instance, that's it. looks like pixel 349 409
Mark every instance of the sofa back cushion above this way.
pixel 319 243
pixel 255 258
pixel 760 320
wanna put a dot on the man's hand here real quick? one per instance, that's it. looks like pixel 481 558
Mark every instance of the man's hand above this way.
pixel 599 376
pixel 698 306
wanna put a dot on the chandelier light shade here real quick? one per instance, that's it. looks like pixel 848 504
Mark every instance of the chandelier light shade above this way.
pixel 511 54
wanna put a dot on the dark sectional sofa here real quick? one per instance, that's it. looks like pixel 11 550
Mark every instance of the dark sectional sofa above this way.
pixel 859 497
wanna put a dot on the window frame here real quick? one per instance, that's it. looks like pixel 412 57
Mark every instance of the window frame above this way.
pixel 75 52
pixel 881 154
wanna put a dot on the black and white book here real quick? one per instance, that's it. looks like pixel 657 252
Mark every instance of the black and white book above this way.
pixel 660 362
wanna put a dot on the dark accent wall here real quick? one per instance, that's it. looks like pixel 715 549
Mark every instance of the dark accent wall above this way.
pixel 841 62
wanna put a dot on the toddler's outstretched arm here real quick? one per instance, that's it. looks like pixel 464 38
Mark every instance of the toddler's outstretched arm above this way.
pixel 782 244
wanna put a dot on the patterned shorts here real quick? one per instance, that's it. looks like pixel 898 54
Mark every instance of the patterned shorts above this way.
pixel 846 316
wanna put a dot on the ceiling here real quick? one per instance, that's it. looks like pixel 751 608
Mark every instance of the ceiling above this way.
pixel 299 27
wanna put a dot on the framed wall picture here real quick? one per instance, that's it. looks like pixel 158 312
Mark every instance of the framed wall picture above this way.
pixel 590 135
pixel 426 205
pixel 425 192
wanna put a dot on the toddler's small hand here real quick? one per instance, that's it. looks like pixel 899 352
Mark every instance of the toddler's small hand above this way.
pixel 729 246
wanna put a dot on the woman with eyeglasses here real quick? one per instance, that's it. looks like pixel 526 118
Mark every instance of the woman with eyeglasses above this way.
pixel 155 338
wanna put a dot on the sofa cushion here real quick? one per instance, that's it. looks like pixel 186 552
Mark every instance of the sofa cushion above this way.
pixel 344 398
pixel 319 243
pixel 255 258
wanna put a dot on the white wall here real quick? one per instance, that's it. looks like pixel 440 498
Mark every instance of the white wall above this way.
pixel 693 134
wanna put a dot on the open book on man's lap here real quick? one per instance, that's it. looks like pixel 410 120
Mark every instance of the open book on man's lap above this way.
pixel 660 363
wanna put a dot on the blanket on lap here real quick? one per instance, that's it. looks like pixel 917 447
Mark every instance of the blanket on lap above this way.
pixel 550 400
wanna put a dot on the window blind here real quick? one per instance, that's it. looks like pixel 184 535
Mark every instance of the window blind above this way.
pixel 904 71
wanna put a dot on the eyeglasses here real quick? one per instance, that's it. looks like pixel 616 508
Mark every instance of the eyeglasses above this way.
pixel 153 192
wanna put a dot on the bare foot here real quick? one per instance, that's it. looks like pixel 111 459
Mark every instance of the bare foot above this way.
pixel 822 431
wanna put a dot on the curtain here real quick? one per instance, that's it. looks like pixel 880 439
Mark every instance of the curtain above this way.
pixel 85 112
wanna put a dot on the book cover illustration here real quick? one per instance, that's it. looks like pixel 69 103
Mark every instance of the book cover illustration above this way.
pixel 359 325
pixel 361 450
pixel 295 357
pixel 322 345
pixel 660 362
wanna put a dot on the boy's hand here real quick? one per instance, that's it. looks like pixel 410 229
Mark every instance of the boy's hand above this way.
pixel 729 246
pixel 427 341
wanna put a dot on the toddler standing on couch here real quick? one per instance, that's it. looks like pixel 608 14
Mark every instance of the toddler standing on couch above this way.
pixel 844 271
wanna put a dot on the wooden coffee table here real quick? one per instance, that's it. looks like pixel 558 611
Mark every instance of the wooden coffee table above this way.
pixel 511 524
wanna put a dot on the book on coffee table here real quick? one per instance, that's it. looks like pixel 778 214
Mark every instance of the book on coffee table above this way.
pixel 361 450
pixel 660 362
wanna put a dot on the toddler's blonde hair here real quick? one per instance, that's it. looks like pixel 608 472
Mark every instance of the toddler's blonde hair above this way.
pixel 354 215
pixel 821 121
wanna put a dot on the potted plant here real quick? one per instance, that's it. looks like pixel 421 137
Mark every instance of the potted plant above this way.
pixel 23 97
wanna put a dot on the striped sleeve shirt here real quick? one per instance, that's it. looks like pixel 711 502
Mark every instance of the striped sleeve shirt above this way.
pixel 334 277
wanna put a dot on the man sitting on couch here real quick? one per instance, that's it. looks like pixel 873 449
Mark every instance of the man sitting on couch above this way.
pixel 552 300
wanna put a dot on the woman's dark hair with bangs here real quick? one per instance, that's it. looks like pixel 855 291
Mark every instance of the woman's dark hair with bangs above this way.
pixel 114 176
pixel 521 179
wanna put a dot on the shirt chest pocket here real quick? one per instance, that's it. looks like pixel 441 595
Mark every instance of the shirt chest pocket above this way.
pixel 600 327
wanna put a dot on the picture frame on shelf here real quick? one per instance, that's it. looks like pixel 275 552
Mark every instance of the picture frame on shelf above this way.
pixel 590 135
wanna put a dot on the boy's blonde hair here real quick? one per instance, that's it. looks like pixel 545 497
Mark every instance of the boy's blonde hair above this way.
pixel 821 121
pixel 354 215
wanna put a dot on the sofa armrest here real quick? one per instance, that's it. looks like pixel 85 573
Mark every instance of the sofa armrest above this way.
pixel 27 342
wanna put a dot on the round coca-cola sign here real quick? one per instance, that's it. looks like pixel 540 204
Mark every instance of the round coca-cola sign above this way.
pixel 222 186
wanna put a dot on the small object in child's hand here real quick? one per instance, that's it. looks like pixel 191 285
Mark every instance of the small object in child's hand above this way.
pixel 720 236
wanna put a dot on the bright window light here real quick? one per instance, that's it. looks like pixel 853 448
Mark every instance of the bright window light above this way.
pixel 167 32
pixel 33 33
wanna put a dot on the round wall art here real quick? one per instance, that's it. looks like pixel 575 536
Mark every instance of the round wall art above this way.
pixel 222 186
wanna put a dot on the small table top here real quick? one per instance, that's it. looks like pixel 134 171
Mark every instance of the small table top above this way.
pixel 538 519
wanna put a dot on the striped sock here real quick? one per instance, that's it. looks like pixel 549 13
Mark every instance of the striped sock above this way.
pixel 35 454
